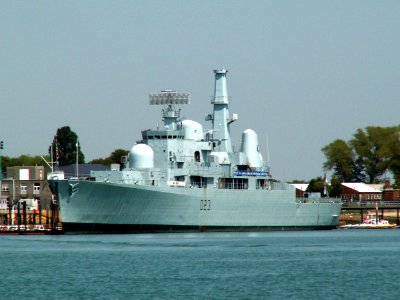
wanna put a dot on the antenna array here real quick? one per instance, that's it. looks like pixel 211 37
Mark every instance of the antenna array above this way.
pixel 169 97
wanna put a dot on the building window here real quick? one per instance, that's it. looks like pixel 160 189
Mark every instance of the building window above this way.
pixel 5 187
pixel 24 189
pixel 24 174
pixel 36 188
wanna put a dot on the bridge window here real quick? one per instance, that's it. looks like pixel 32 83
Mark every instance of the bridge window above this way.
pixel 234 183
pixel 198 181
pixel 197 156
pixel 262 184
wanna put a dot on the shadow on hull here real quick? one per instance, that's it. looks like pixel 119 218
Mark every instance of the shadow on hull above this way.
pixel 85 228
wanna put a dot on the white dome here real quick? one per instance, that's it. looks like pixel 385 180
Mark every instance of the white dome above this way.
pixel 250 132
pixel 192 130
pixel 141 156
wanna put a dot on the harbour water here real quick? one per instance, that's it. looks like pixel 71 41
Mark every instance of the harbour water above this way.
pixel 336 264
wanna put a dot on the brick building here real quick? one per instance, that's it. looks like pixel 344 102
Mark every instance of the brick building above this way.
pixel 358 191
pixel 300 188
pixel 389 193
pixel 25 187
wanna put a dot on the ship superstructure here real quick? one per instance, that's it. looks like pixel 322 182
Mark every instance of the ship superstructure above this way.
pixel 179 177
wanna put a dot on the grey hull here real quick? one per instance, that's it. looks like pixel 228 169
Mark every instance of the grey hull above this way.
pixel 104 207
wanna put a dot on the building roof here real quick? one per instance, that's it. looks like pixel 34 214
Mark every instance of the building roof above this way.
pixel 300 186
pixel 377 186
pixel 361 187
pixel 84 169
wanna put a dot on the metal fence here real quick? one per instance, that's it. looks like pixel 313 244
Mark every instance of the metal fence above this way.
pixel 370 204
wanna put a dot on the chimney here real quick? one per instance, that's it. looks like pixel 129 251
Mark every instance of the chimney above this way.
pixel 387 184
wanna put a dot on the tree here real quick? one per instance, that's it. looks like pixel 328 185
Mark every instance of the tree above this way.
pixel 65 145
pixel 367 156
pixel 22 160
pixel 297 181
pixel 27 160
pixel 316 185
pixel 114 158
pixel 340 158
pixel 370 146
pixel 335 188
pixel 393 150
pixel 117 155
pixel 358 171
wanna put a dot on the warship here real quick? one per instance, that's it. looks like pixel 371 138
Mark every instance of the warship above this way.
pixel 181 178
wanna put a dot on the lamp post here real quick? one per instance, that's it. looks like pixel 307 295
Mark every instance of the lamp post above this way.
pixel 1 150
pixel 77 159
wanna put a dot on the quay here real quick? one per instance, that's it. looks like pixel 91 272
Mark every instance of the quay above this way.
pixel 378 206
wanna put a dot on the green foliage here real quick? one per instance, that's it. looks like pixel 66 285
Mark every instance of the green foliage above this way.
pixel 316 185
pixel 64 146
pixel 114 158
pixel 117 154
pixel 335 188
pixel 102 161
pixel 367 156
pixel 393 152
pixel 340 159
pixel 23 160
pixel 297 181
pixel 371 149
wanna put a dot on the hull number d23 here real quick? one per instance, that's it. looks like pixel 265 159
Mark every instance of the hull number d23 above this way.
pixel 205 204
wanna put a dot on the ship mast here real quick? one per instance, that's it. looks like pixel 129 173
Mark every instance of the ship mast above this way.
pixel 221 118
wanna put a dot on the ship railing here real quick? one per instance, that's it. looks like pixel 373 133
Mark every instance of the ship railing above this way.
pixel 371 204
pixel 317 200
pixel 198 184
pixel 235 186
pixel 82 177
pixel 281 186
pixel 263 186
pixel 361 197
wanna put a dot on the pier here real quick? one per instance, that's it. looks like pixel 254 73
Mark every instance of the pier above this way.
pixel 19 221
pixel 378 206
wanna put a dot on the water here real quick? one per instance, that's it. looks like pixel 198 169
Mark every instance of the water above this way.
pixel 337 264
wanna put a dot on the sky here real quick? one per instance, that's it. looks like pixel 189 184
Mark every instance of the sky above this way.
pixel 300 73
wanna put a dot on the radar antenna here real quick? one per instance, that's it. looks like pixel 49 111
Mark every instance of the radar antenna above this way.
pixel 169 98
